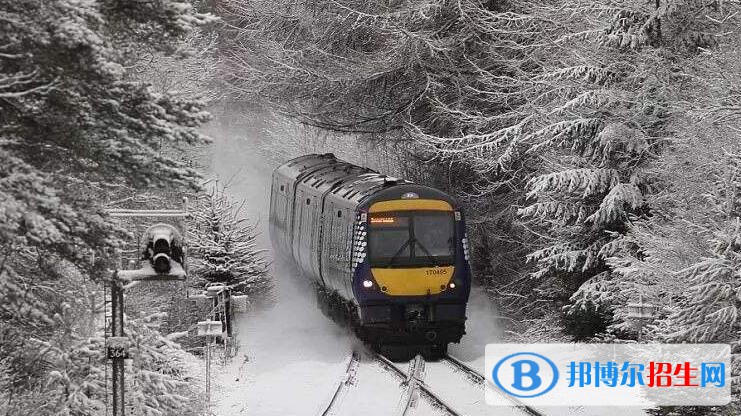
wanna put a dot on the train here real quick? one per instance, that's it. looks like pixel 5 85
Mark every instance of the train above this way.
pixel 385 254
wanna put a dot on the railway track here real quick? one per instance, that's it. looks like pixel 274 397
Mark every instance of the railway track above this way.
pixel 415 383
pixel 436 395
pixel 347 380
pixel 480 380
pixel 436 399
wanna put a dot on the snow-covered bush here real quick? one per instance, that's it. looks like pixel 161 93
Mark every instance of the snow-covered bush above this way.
pixel 223 246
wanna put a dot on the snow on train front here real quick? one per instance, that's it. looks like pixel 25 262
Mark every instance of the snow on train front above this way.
pixel 389 254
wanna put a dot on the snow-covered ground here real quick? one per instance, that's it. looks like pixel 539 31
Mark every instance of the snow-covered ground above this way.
pixel 291 357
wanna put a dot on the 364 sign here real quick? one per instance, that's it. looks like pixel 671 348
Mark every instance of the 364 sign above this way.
pixel 117 347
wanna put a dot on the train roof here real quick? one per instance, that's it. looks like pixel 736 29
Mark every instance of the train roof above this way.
pixel 354 184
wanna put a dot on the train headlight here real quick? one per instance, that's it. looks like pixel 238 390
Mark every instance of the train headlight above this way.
pixel 367 284
pixel 452 285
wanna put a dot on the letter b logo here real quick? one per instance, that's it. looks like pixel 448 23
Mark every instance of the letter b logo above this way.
pixel 525 374
pixel 526 369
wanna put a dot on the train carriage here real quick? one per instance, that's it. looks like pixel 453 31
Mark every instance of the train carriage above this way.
pixel 391 254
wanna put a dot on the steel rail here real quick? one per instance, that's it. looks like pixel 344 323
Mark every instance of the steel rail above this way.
pixel 423 387
pixel 352 367
pixel 480 379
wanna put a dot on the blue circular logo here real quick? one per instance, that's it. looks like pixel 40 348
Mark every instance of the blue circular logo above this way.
pixel 525 374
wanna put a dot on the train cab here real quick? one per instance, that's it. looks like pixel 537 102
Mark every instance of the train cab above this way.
pixel 413 283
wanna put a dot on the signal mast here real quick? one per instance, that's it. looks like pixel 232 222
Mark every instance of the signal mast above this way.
pixel 163 254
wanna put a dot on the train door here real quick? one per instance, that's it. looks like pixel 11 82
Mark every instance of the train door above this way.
pixel 339 249
pixel 305 231
pixel 312 235
pixel 291 208
pixel 317 246
pixel 345 275
pixel 299 209
pixel 334 250
pixel 279 216
pixel 325 255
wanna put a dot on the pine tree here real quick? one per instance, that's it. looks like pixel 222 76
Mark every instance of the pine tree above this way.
pixel 710 310
pixel 73 129
pixel 607 132
pixel 689 246
pixel 223 246
pixel 159 373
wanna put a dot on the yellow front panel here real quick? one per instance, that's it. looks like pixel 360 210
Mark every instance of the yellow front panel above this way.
pixel 415 281
pixel 410 205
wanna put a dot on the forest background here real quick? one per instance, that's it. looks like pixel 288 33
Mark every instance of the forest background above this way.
pixel 594 145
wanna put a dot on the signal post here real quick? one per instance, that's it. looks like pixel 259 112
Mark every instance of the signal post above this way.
pixel 117 348
pixel 163 258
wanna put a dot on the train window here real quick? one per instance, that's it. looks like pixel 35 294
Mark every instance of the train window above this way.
pixel 412 238
pixel 282 187
pixel 339 214
pixel 434 235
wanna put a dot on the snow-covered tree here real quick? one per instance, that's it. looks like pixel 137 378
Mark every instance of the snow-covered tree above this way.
pixel 71 126
pixel 75 128
pixel 555 109
pixel 54 356
pixel 434 76
pixel 160 372
pixel 710 309
pixel 223 246
pixel 688 258
pixel 190 71
pixel 608 118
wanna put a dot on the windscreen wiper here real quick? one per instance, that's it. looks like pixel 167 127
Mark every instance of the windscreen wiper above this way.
pixel 398 252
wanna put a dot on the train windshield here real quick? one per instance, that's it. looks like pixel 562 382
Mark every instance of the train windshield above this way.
pixel 411 238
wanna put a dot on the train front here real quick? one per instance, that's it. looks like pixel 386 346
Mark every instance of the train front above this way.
pixel 411 273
